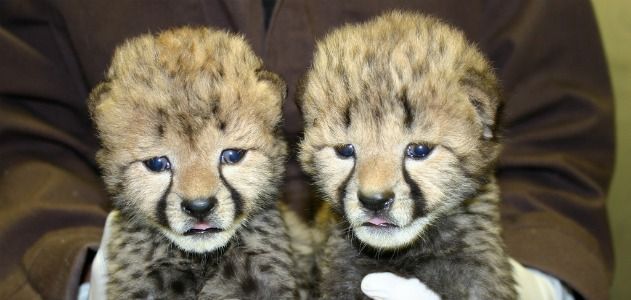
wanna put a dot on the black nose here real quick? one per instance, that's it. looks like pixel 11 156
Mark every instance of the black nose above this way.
pixel 199 208
pixel 376 201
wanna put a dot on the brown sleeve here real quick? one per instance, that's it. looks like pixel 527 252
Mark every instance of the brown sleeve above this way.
pixel 51 205
pixel 559 144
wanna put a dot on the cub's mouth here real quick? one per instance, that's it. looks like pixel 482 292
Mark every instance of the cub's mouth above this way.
pixel 379 222
pixel 202 228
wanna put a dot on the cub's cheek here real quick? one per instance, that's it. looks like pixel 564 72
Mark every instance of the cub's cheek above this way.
pixel 251 176
pixel 145 188
pixel 434 176
pixel 334 174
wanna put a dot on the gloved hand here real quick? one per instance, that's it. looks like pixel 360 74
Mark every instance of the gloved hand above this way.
pixel 98 274
pixel 387 286
pixel 531 285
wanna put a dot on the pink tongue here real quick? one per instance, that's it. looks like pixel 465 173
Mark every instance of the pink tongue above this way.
pixel 201 226
pixel 377 221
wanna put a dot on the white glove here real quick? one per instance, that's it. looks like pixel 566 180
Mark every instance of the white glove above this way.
pixel 98 273
pixel 387 286
pixel 535 285
pixel 531 285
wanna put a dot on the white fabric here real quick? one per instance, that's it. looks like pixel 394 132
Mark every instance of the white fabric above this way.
pixel 536 285
pixel 531 285
pixel 84 291
pixel 387 286
pixel 98 273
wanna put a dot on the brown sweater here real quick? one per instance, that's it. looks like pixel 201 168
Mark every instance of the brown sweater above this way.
pixel 554 171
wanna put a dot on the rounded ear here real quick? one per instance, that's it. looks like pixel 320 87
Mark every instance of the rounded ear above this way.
pixel 300 92
pixel 96 96
pixel 484 94
pixel 276 81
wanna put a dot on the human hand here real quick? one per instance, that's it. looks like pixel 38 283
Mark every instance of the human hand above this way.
pixel 388 286
pixel 531 284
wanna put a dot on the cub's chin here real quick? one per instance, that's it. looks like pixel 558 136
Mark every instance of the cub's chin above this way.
pixel 388 236
pixel 201 241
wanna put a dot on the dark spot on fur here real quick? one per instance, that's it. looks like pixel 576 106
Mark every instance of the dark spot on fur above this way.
pixel 151 252
pixel 249 285
pixel 140 294
pixel 189 132
pixel 178 287
pixel 415 193
pixel 252 252
pixel 277 262
pixel 407 108
pixel 276 247
pixel 161 130
pixel 228 270
pixel 112 255
pixel 222 125
pixel 262 231
pixel 215 108
pixel 123 243
pixel 265 268
pixel 377 113
pixel 248 262
pixel 156 277
pixel 347 116
pixel 234 194
pixel 145 79
pixel 136 275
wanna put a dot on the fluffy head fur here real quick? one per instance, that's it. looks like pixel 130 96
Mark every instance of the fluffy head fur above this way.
pixel 399 80
pixel 187 95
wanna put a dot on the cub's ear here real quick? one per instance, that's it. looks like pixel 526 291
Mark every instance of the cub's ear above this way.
pixel 277 82
pixel 485 96
pixel 300 92
pixel 98 94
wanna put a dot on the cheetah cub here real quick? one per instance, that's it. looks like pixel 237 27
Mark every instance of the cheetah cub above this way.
pixel 401 139
pixel 192 156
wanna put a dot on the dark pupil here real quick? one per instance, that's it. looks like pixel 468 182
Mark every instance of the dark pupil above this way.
pixel 157 164
pixel 231 156
pixel 345 150
pixel 418 151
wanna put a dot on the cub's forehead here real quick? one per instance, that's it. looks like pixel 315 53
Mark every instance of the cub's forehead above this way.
pixel 183 51
pixel 393 55
pixel 192 66
pixel 186 81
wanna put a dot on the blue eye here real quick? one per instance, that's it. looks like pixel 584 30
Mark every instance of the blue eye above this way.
pixel 345 151
pixel 158 164
pixel 418 151
pixel 232 156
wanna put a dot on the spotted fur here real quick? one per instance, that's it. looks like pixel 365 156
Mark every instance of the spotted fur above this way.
pixel 382 86
pixel 188 94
